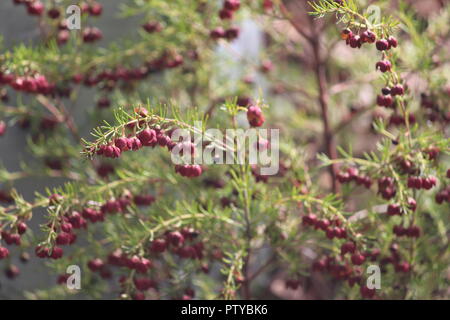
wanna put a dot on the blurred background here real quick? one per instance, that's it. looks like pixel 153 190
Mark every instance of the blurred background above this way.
pixel 17 27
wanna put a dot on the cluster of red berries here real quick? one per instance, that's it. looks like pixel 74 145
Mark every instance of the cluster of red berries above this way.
pixel 355 40
pixel 443 195
pixel 151 138
pixel 107 80
pixel 411 232
pixel 397 119
pixel 92 8
pixel 433 111
pixel 182 243
pixel 255 116
pixel 352 174
pixel 229 34
pixel 37 83
pixel 14 238
pixel 227 13
pixel 34 7
pixel 386 187
pixel 386 99
pixel 69 222
pixel 147 137
pixel 120 259
pixel 333 229
pixel 432 152
pixel 421 182
pixel 89 34
pixel 92 34
pixel 189 170
pixel 341 269
pixel 229 8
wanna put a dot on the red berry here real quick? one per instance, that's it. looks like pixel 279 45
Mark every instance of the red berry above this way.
pixel 95 9
pixel 368 36
pixel 225 14
pixel 158 246
pixel 255 116
pixel 323 224
pixel 358 259
pixel 383 66
pixel 343 177
pixel 57 253
pixel 267 5
pixel 2 128
pixel 144 200
pixel 397 90
pixel 54 199
pixel 346 34
pixel 232 33
pixel 53 13
pixel 66 227
pixel 143 284
pixel 4 253
pixel 63 238
pixel 42 252
pixel 147 137
pixel 427 183
pixel 330 233
pixel 399 231
pixel 121 143
pixel 21 227
pixel 138 296
pixel 232 5
pixel 392 42
pixel 91 34
pixel 152 27
pixel 217 33
pixel 12 272
pixel 348 247
pixel 95 264
pixel 175 238
pixel 143 265
pixel 62 279
pixel 11 239
pixel 382 44
pixel 266 66
pixel 413 232
pixel 393 209
pixel 367 293
pixel 310 219
pixel 403 267
pixel 386 91
pixel 35 8
pixel 412 204
pixel 355 41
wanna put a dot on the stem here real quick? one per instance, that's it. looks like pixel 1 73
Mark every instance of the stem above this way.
pixel 319 69
pixel 323 98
